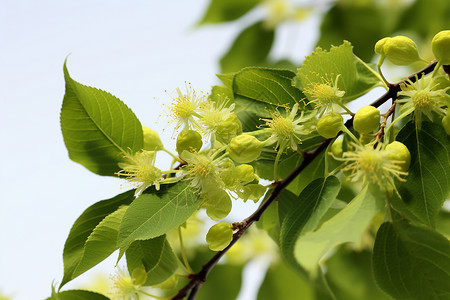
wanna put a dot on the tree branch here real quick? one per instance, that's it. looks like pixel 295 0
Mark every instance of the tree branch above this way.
pixel 196 280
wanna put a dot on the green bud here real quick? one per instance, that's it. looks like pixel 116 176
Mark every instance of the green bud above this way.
pixel 366 119
pixel 401 50
pixel 219 236
pixel 139 275
pixel 440 45
pixel 336 148
pixel 398 151
pixel 244 173
pixel 330 125
pixel 217 203
pixel 245 148
pixel 379 46
pixel 152 142
pixel 446 123
pixel 228 129
pixel 190 141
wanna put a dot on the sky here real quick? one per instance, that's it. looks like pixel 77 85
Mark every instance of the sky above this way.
pixel 133 49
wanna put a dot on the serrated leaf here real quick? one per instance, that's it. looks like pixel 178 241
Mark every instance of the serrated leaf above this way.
pixel 84 226
pixel 224 283
pixel 427 185
pixel 305 213
pixel 224 11
pixel 98 128
pixel 355 77
pixel 101 243
pixel 156 256
pixel 412 262
pixel 250 48
pixel 272 87
pixel 347 225
pixel 77 295
pixel 154 213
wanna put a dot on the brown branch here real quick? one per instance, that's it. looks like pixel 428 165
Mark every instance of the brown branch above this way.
pixel 196 280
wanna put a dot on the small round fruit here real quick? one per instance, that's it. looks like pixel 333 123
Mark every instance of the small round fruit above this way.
pixel 401 50
pixel 152 142
pixel 446 123
pixel 245 148
pixel 330 125
pixel 366 119
pixel 189 140
pixel 219 236
pixel 440 45
pixel 398 151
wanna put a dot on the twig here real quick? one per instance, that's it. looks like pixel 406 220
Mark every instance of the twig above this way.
pixel 196 280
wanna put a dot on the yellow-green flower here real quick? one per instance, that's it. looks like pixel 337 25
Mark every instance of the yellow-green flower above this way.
pixel 186 107
pixel 373 165
pixel 287 131
pixel 324 94
pixel 140 170
pixel 423 97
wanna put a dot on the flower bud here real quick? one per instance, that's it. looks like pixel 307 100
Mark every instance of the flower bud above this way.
pixel 446 123
pixel 228 129
pixel 139 275
pixel 329 125
pixel 398 151
pixel 219 236
pixel 217 203
pixel 401 50
pixel 379 46
pixel 189 140
pixel 336 148
pixel 152 142
pixel 244 173
pixel 440 45
pixel 366 119
pixel 245 148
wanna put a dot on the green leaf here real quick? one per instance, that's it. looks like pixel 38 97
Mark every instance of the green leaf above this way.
pixel 77 295
pixel 101 243
pixel 427 185
pixel 156 212
pixel 156 256
pixel 224 11
pixel 83 228
pixel 412 262
pixel 98 128
pixel 349 275
pixel 356 78
pixel 250 48
pixel 346 226
pixel 272 87
pixel 361 23
pixel 305 214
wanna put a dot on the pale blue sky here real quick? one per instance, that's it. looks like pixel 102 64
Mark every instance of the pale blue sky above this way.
pixel 132 49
